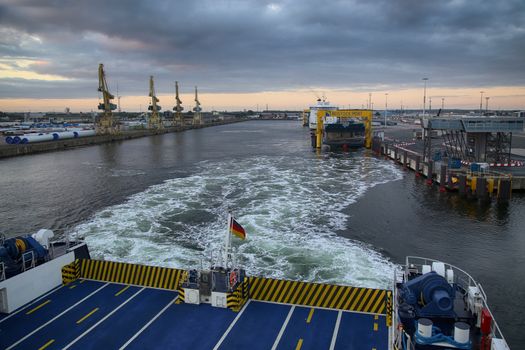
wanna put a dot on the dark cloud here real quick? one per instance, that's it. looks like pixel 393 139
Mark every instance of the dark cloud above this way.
pixel 234 46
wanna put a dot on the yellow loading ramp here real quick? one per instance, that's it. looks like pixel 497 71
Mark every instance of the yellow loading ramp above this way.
pixel 364 114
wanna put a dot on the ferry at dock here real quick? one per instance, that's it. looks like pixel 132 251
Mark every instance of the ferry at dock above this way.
pixel 321 105
pixel 338 133
pixel 53 295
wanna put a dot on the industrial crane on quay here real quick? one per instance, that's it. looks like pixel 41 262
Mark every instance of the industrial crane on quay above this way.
pixel 178 107
pixel 106 123
pixel 197 117
pixel 154 121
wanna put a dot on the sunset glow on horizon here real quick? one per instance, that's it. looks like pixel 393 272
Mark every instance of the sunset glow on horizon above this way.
pixel 248 53
pixel 499 98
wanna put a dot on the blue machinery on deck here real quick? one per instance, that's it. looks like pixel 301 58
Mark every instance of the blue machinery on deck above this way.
pixel 439 306
pixel 429 295
pixel 20 253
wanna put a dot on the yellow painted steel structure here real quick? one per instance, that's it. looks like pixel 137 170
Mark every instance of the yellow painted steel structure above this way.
pixel 306 116
pixel 106 123
pixel 473 183
pixel 139 275
pixel 490 185
pixel 493 181
pixel 71 272
pixel 197 116
pixel 389 311
pixel 117 272
pixel 181 297
pixel 238 298
pixel 178 120
pixel 319 295
pixel 154 120
pixel 374 301
pixel 364 114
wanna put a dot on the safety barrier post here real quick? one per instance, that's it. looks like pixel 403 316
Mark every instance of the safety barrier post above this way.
pixel 71 272
pixel 389 310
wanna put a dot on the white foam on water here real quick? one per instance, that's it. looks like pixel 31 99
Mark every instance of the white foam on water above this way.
pixel 291 208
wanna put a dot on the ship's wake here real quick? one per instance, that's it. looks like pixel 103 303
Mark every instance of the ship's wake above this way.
pixel 291 208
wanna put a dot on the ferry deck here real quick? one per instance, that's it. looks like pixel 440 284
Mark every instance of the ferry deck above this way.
pixel 88 314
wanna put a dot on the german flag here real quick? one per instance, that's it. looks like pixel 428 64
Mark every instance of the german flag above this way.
pixel 237 229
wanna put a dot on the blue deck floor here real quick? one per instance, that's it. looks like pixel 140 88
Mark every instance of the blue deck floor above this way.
pixel 98 315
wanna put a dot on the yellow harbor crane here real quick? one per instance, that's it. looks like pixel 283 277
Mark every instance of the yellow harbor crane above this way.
pixel 106 123
pixel 364 114
pixel 197 117
pixel 154 121
pixel 178 107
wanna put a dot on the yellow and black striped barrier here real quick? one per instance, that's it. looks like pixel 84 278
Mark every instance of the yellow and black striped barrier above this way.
pixel 319 295
pixel 238 298
pixel 389 308
pixel 140 275
pixel 180 290
pixel 376 301
pixel 181 297
pixel 71 272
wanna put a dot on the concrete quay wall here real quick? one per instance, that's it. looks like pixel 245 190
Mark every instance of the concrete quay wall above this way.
pixel 19 150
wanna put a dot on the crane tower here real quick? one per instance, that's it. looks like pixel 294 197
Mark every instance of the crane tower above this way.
pixel 154 121
pixel 178 107
pixel 197 117
pixel 106 122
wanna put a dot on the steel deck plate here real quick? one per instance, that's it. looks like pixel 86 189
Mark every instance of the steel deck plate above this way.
pixel 96 315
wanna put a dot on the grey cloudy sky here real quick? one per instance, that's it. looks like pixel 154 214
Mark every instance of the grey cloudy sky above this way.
pixel 251 46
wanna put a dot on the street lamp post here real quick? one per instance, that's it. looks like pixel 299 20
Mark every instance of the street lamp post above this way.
pixel 487 104
pixel 424 95
pixel 481 103
pixel 386 106
pixel 442 103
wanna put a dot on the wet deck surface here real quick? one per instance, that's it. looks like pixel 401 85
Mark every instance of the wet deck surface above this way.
pixel 97 315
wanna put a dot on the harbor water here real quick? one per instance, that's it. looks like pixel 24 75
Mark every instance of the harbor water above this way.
pixel 340 218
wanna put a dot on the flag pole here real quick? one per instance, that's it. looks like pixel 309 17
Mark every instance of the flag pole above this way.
pixel 228 241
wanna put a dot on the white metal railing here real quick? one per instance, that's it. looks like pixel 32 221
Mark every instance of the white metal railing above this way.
pixel 28 260
pixel 51 250
pixel 462 279
pixel 2 271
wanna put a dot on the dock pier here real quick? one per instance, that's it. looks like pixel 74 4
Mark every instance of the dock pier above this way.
pixel 482 185
pixel 31 148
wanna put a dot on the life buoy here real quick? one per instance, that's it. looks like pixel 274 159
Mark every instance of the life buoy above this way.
pixel 233 278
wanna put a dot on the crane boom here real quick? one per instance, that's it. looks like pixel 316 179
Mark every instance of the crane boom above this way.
pixel 105 123
pixel 197 102
pixel 178 107
pixel 154 121
pixel 197 117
